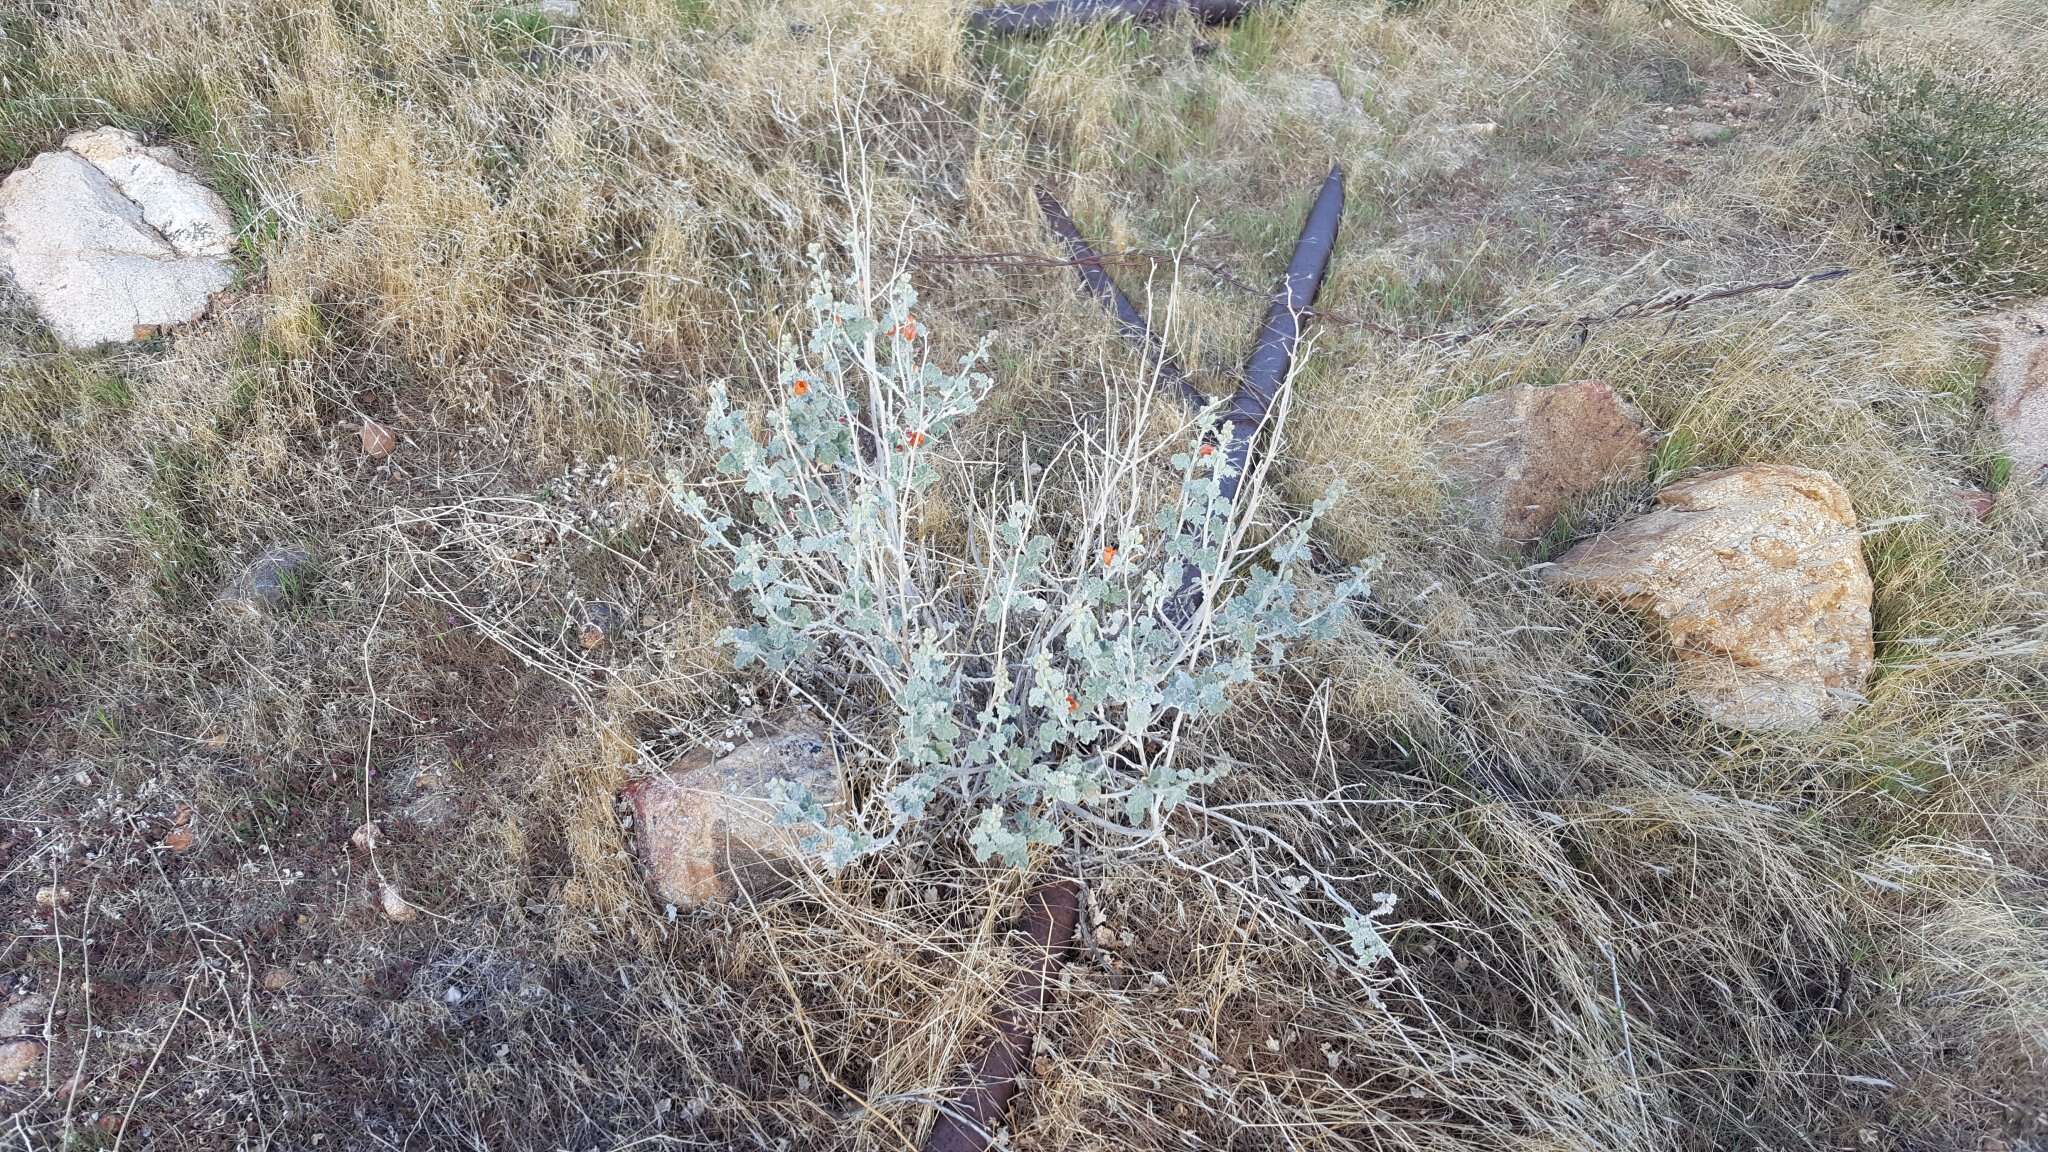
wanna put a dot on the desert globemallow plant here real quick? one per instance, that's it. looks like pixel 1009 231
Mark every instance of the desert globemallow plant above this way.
pixel 1040 677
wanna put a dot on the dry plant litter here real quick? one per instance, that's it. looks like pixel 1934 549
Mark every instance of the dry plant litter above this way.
pixel 528 244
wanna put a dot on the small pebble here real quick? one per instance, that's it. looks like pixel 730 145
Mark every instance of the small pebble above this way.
pixel 378 440
pixel 366 837
pixel 395 905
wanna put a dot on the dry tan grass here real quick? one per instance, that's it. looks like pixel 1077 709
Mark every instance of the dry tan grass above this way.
pixel 528 251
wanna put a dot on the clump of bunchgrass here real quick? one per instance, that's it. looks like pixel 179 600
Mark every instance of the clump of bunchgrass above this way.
pixel 28 115
pixel 1954 171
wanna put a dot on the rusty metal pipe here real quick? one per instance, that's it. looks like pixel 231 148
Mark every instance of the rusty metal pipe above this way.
pixel 1046 15
pixel 1089 264
pixel 1272 357
pixel 1272 354
pixel 1280 332
pixel 969 1122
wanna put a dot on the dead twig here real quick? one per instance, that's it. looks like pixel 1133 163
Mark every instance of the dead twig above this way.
pixel 1759 43
pixel 1091 264
pixel 803 1021
pixel 1667 304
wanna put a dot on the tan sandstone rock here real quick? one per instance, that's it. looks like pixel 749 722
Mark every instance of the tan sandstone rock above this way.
pixel 112 241
pixel 1313 95
pixel 1524 454
pixel 708 823
pixel 2016 389
pixel 21 1053
pixel 1756 574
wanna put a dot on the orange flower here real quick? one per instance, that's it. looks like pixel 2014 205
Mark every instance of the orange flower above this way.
pixel 907 329
pixel 916 440
pixel 1207 450
pixel 1073 705
pixel 799 386
pixel 1109 556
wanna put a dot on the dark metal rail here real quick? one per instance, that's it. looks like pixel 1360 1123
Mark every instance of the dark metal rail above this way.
pixel 969 1122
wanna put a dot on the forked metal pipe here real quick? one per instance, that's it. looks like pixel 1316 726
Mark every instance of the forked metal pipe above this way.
pixel 1272 354
pixel 1280 332
pixel 978 1106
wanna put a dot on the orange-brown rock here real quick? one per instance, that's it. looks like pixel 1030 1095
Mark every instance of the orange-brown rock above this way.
pixel 707 825
pixel 1756 575
pixel 2016 389
pixel 377 440
pixel 1525 454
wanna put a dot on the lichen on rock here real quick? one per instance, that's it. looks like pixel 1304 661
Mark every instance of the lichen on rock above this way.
pixel 708 825
pixel 1756 576
pixel 111 241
